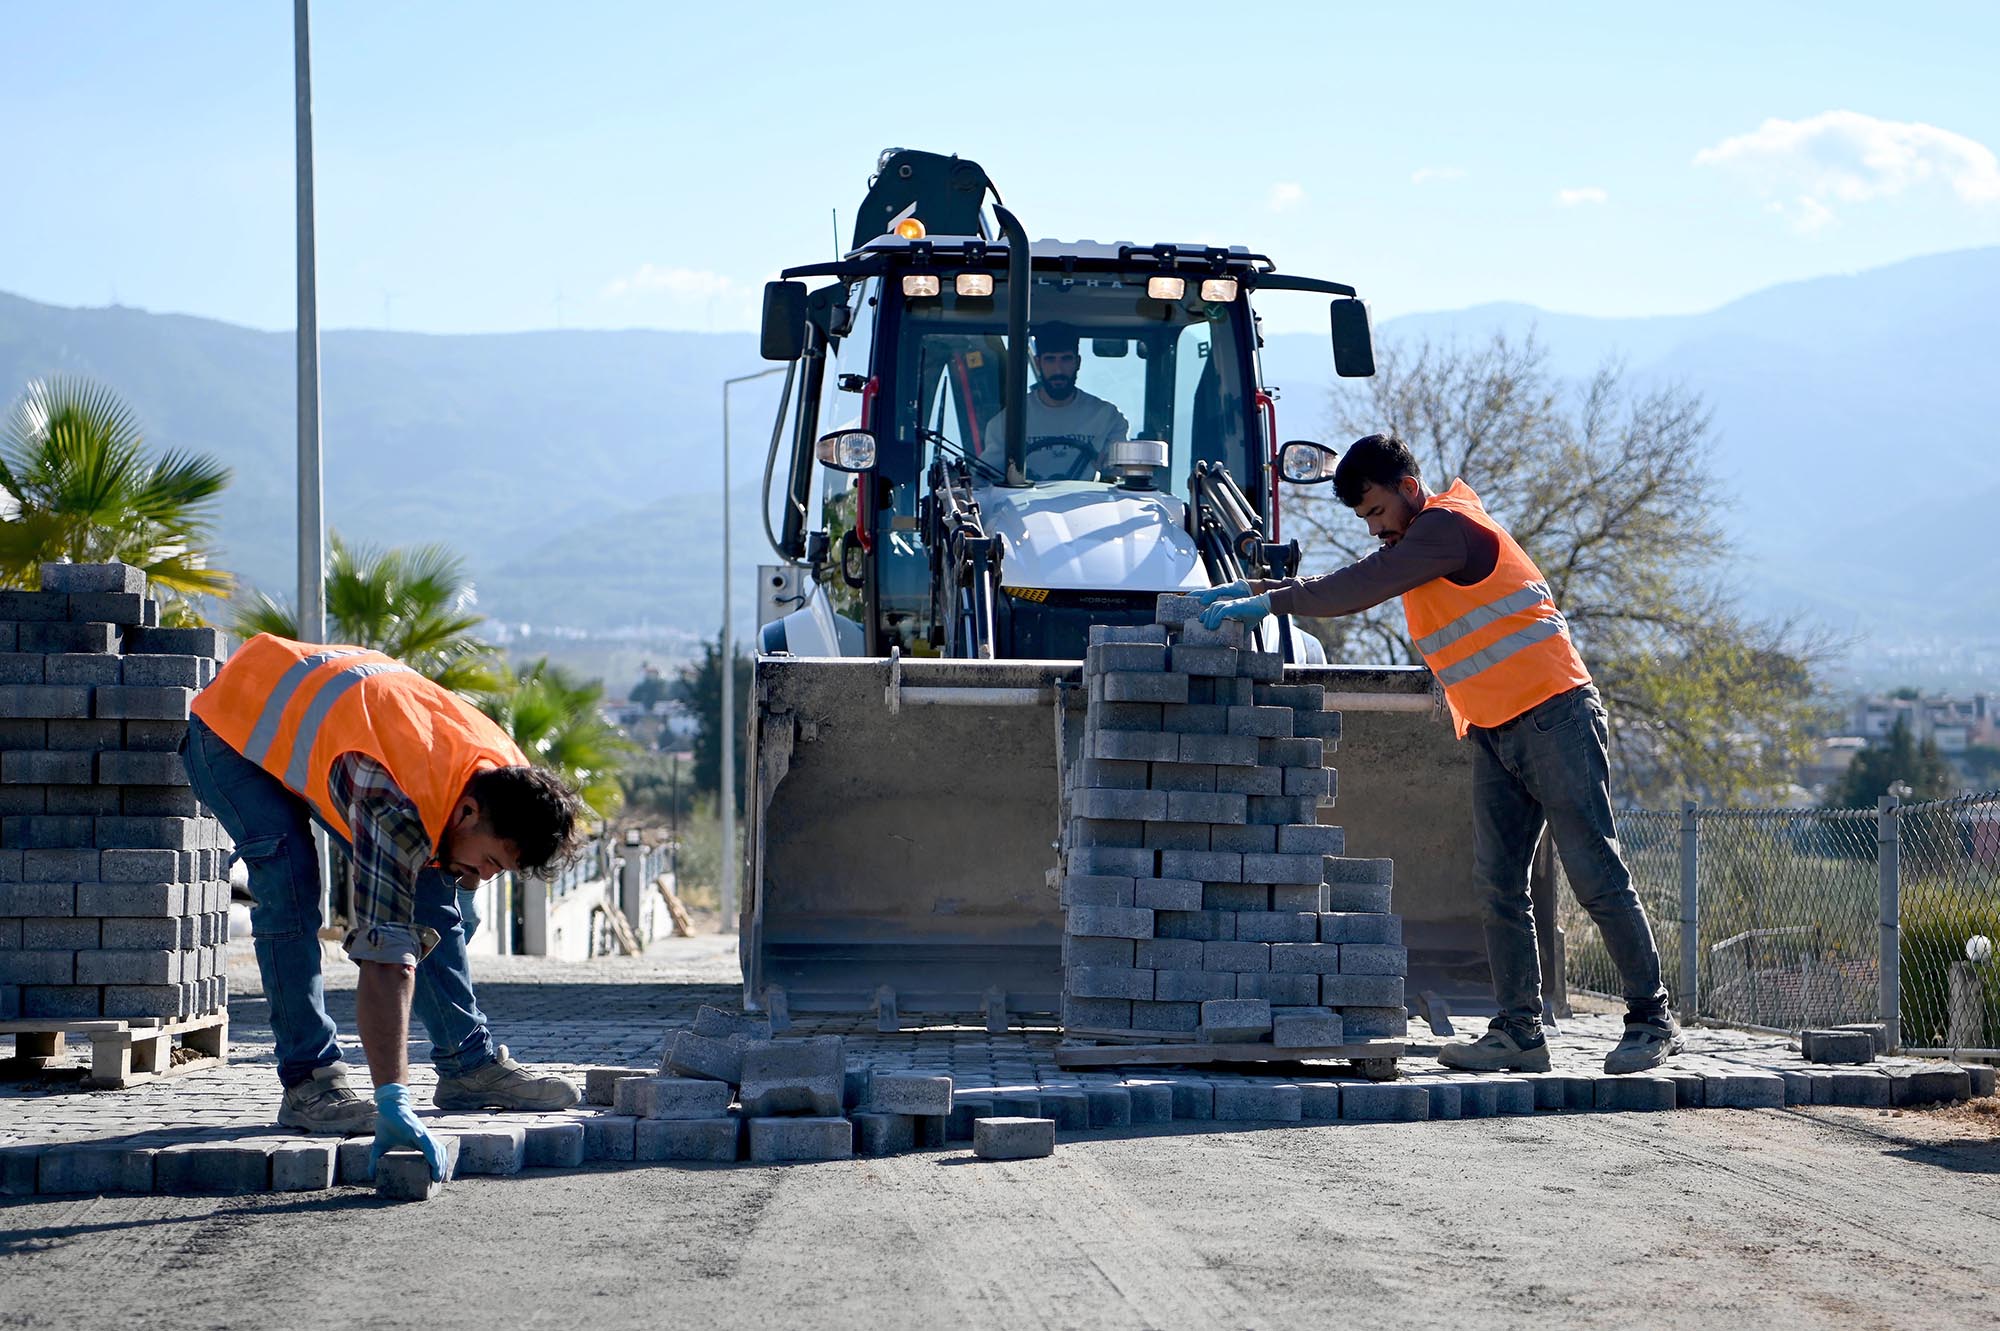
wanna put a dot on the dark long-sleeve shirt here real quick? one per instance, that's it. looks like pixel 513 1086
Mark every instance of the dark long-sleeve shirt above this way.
pixel 1438 544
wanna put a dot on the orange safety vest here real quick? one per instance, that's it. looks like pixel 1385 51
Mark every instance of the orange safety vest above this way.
pixel 294 707
pixel 1499 646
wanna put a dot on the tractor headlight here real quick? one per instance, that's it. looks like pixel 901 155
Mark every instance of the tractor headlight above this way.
pixel 1218 290
pixel 921 284
pixel 1166 288
pixel 974 284
pixel 847 450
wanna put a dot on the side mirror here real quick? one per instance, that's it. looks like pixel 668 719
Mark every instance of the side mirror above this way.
pixel 1353 344
pixel 1303 462
pixel 846 450
pixel 784 335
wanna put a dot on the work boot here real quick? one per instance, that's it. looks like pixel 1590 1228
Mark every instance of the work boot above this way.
pixel 1647 1044
pixel 1499 1050
pixel 323 1103
pixel 504 1084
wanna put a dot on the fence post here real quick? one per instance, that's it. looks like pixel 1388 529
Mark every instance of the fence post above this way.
pixel 1690 910
pixel 1888 852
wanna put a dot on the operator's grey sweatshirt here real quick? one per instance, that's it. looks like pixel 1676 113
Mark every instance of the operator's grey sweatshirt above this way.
pixel 1438 544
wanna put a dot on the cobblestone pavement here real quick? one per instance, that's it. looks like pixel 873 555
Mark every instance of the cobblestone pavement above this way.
pixel 617 1013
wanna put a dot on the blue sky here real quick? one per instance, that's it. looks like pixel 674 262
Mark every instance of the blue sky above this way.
pixel 503 166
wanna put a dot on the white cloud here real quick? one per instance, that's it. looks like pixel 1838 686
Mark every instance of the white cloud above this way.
pixel 1285 195
pixel 672 297
pixel 1844 157
pixel 1581 194
pixel 1425 175
pixel 648 277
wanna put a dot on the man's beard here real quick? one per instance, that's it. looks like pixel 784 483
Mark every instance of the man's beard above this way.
pixel 1060 387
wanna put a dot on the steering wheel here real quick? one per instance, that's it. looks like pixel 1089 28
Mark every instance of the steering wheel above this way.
pixel 1082 464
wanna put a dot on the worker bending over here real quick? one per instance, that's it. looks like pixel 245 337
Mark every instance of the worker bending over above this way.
pixel 1487 624
pixel 427 796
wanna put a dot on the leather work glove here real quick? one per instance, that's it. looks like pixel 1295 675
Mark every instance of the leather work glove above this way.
pixel 1249 609
pixel 1210 595
pixel 397 1128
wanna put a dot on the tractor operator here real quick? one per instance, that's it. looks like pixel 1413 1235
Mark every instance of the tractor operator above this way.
pixel 1068 429
pixel 427 795
pixel 1487 624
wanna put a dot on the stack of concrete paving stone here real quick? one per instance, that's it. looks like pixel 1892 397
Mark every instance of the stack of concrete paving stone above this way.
pixel 1203 900
pixel 114 895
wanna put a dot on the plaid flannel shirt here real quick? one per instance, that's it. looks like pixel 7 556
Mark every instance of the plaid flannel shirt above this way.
pixel 390 850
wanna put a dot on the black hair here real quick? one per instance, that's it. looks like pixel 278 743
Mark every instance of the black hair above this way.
pixel 1376 459
pixel 534 809
pixel 1051 338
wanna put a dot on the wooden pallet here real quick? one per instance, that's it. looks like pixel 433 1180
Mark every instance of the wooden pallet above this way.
pixel 1375 1059
pixel 125 1051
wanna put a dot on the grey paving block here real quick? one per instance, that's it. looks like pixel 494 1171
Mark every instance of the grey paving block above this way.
pixel 554 1145
pixel 55 933
pixel 1250 838
pixel 80 668
pixel 1208 866
pixel 1236 956
pixel 126 966
pixel 1104 774
pixel 85 579
pixel 1013 1138
pixel 140 703
pixel 1193 986
pixel 964 1110
pixel 1299 899
pixel 1305 958
pixel 1291 752
pixel 142 736
pixel 1231 1020
pixel 151 801
pixel 1159 894
pixel 1163 954
pixel 182 672
pixel 86 736
pixel 170 1001
pixel 1261 667
pixel 1261 722
pixel 1099 951
pixel 715 1140
pixel 1108 982
pixel 1322 726
pixel 132 899
pixel 1284 868
pixel 1353 927
pixel 64 638
pixel 1110 1106
pixel 1144 746
pixel 1374 959
pixel 215 1168
pixel 1166 1017
pixel 1221 750
pixel 109 608
pixel 789 1140
pixel 1384 1102
pixel 1251 780
pixel 1445 1099
pixel 609 1136
pixel 1980 1079
pixel 877 1134
pixel 1871 1089
pixel 1357 898
pixel 148 865
pixel 491 1149
pixel 304 1166
pixel 1254 1102
pixel 178 642
pixel 405 1176
pixel 43 767
pixel 1277 810
pixel 1837 1046
pixel 1103 633
pixel 802 1076
pixel 1638 1093
pixel 910 1093
pixel 1347 990
pixel 1125 832
pixel 155 833
pixel 1311 839
pixel 44 832
pixel 671 1097
pixel 31 799
pixel 1212 691
pixel 1130 805
pixel 1513 1095
pixel 1196 806
pixel 1113 860
pixel 691 1055
pixel 18 1165
pixel 1931 1085
pixel 1194 1098
pixel 1351 871
pixel 1151 1102
pixel 1112 921
pixel 1744 1090
pixel 1122 657
pixel 1186 718
pixel 1229 633
pixel 120 768
pixel 1123 716
pixel 92 800
pixel 1196 925
pixel 1189 659
pixel 1096 1014
pixel 1367 1021
pixel 1277 927
pixel 1080 889
pixel 1306 1028
pixel 1286 990
pixel 40 967
pixel 1298 697
pixel 1312 782
pixel 96 1167
pixel 1237 897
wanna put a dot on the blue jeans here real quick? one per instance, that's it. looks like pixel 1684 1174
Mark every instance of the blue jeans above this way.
pixel 272 829
pixel 1550 767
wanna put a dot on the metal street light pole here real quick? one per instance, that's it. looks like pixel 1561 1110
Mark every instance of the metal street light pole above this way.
pixel 729 675
pixel 312 542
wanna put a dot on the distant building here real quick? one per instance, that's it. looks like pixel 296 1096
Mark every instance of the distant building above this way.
pixel 1954 723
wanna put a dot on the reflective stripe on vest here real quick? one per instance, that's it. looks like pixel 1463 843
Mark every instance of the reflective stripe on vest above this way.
pixel 265 732
pixel 1494 653
pixel 1473 620
pixel 299 769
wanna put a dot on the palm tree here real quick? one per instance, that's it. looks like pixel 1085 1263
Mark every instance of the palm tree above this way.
pixel 553 716
pixel 76 483
pixel 410 602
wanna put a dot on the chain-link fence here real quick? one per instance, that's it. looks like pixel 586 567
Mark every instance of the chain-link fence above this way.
pixel 1776 918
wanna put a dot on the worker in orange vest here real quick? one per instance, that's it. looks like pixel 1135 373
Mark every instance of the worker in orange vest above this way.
pixel 1483 617
pixel 429 797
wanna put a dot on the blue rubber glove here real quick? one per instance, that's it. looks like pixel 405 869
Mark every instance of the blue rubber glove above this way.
pixel 1210 595
pixel 397 1129
pixel 1250 609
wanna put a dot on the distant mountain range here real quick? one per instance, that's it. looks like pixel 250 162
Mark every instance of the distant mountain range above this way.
pixel 580 472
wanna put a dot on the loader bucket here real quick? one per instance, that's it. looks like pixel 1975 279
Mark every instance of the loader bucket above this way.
pixel 903 829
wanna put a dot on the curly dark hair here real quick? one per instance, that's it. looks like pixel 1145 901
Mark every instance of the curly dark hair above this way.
pixel 1379 459
pixel 533 808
